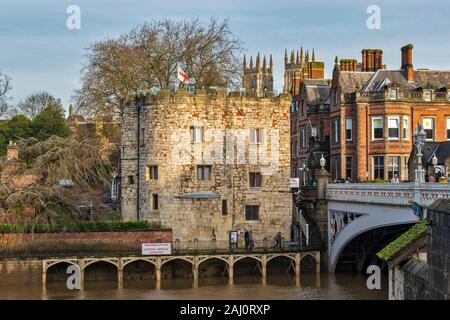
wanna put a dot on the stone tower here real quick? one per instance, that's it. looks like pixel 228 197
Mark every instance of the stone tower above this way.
pixel 257 80
pixel 300 66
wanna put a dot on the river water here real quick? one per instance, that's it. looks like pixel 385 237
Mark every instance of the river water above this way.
pixel 325 286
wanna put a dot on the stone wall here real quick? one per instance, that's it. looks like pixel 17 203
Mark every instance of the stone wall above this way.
pixel 415 277
pixel 165 122
pixel 20 271
pixel 44 245
pixel 439 249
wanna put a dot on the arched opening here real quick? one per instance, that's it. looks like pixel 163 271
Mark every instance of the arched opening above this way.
pixel 56 277
pixel 361 251
pixel 100 275
pixel 177 274
pixel 308 271
pixel 139 274
pixel 281 271
pixel 247 270
pixel 213 271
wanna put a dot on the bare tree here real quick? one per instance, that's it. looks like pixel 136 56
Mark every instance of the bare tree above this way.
pixel 35 103
pixel 5 86
pixel 148 56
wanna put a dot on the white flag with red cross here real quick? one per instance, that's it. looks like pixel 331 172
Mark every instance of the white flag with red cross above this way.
pixel 182 76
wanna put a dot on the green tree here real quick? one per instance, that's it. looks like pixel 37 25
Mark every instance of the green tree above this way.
pixel 16 128
pixel 50 121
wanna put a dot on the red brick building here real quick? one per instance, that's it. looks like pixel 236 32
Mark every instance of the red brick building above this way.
pixel 374 113
pixel 304 80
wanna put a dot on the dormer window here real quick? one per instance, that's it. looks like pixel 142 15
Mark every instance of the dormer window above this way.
pixel 393 94
pixel 427 95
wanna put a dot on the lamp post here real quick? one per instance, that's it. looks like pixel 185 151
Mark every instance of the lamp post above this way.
pixel 419 141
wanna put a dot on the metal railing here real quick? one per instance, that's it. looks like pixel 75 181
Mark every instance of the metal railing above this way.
pixel 224 246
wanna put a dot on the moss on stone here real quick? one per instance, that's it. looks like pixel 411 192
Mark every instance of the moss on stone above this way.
pixel 402 242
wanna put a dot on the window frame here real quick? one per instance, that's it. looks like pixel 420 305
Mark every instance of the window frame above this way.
pixel 377 167
pixel 392 166
pixel 447 120
pixel 373 128
pixel 347 168
pixel 408 130
pixel 433 124
pixel 256 135
pixel 193 130
pixel 251 217
pixel 155 204
pixel 224 207
pixel 348 130
pixel 397 118
pixel 202 175
pixel 253 179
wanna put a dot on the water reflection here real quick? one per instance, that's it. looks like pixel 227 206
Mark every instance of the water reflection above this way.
pixel 309 286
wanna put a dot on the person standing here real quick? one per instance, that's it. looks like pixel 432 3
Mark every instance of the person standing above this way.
pixel 246 239
pixel 251 242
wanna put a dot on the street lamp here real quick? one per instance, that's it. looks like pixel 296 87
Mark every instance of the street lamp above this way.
pixel 304 169
pixel 419 141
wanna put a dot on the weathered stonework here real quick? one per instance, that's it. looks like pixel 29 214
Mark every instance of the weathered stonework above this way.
pixel 163 119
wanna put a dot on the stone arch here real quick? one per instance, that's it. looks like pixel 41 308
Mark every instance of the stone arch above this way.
pixel 280 255
pixel 54 263
pixel 124 264
pixel 244 257
pixel 177 258
pixel 227 262
pixel 94 261
pixel 308 254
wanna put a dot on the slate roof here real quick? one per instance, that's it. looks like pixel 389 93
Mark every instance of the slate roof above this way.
pixel 442 150
pixel 350 80
pixel 422 79
pixel 317 94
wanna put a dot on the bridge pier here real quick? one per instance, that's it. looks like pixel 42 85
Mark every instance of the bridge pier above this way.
pixel 195 272
pixel 264 269
pixel 230 270
pixel 120 278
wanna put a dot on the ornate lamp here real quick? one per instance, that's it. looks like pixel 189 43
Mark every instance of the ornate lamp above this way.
pixel 322 161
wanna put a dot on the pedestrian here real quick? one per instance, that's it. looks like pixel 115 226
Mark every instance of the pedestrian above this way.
pixel 246 239
pixel 251 242
pixel 278 240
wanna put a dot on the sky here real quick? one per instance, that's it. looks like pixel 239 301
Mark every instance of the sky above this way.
pixel 39 52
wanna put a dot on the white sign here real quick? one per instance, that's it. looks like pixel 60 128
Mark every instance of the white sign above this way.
pixel 294 182
pixel 149 249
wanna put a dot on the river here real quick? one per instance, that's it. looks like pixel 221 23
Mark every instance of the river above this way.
pixel 344 286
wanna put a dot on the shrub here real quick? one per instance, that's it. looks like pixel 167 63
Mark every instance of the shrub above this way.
pixel 80 226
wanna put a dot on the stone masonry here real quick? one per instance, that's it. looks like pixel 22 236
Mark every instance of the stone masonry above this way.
pixel 194 208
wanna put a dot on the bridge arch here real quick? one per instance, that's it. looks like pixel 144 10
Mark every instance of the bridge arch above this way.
pixel 208 258
pixel 271 257
pixel 56 262
pixel 239 258
pixel 163 262
pixel 371 217
pixel 128 261
pixel 91 262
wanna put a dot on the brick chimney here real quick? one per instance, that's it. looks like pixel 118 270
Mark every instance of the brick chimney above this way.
pixel 372 59
pixel 364 60
pixel 407 62
pixel 12 152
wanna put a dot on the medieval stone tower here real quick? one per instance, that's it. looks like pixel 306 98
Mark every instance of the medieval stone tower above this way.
pixel 257 80
pixel 300 67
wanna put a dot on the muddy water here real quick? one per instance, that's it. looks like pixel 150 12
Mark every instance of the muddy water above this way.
pixel 325 286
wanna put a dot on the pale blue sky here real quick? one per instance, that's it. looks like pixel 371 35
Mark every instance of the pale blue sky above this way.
pixel 40 53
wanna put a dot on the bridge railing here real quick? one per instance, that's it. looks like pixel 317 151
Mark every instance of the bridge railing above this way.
pixel 223 246
pixel 388 193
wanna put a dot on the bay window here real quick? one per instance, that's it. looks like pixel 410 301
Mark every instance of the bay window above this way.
pixel 393 128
